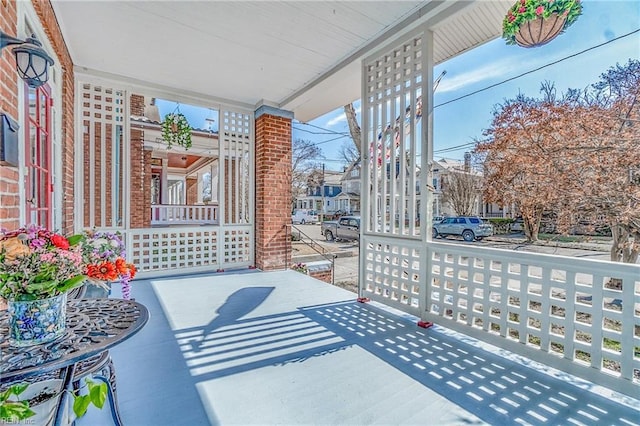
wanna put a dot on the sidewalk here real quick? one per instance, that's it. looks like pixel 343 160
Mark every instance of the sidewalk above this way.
pixel 594 245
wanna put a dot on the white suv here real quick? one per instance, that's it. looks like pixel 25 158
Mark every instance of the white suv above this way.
pixel 469 227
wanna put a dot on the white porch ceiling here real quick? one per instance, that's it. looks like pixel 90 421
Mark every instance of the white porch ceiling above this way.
pixel 303 56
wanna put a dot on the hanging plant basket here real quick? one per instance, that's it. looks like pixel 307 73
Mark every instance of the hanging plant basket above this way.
pixel 540 31
pixel 176 131
pixel 532 23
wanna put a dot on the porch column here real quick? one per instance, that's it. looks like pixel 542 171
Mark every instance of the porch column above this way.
pixel 273 188
pixel 140 189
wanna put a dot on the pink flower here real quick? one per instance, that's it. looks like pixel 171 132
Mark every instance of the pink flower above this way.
pixel 522 9
pixel 539 10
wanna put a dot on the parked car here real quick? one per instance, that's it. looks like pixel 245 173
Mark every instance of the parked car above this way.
pixel 303 216
pixel 517 225
pixel 468 227
pixel 345 228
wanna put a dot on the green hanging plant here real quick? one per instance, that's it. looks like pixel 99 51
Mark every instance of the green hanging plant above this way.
pixel 176 130
pixel 531 23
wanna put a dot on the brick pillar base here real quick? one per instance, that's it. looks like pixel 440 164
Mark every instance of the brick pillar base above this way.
pixel 273 188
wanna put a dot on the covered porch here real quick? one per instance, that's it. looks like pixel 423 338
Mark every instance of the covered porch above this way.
pixel 283 348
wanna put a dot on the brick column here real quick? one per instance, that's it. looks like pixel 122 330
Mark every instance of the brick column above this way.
pixel 140 190
pixel 192 190
pixel 273 188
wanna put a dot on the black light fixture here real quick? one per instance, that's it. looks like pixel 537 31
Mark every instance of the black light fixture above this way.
pixel 32 62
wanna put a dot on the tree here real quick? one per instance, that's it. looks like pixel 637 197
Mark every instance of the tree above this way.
pixel 348 153
pixel 518 165
pixel 354 128
pixel 609 189
pixel 303 163
pixel 577 156
pixel 460 188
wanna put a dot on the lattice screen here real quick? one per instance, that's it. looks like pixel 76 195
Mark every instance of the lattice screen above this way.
pixel 238 246
pixel 164 249
pixel 102 112
pixel 392 147
pixel 236 146
pixel 392 273
pixel 568 308
pixel 392 267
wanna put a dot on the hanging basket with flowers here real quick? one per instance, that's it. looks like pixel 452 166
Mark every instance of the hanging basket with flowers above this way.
pixel 176 130
pixel 532 23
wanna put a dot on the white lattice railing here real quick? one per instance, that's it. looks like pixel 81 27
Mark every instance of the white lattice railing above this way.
pixel 189 249
pixel 579 315
pixel 174 214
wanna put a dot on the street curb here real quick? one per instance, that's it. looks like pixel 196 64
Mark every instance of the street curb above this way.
pixel 544 243
pixel 304 258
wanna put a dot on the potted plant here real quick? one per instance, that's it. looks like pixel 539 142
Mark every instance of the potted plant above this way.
pixel 38 401
pixel 37 269
pixel 531 23
pixel 176 130
pixel 300 267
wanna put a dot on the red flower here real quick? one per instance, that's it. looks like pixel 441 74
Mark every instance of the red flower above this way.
pixel 105 271
pixel 132 270
pixel 121 266
pixel 539 10
pixel 522 2
pixel 522 9
pixel 60 241
pixel 512 18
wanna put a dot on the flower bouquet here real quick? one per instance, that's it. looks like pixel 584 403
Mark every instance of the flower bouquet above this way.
pixel 36 263
pixel 104 254
pixel 37 269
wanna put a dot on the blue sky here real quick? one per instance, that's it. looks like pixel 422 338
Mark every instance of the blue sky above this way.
pixel 462 121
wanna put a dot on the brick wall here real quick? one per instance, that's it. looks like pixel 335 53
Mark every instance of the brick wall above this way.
pixel 192 190
pixel 9 83
pixel 322 275
pixel 140 204
pixel 273 187
pixel 9 207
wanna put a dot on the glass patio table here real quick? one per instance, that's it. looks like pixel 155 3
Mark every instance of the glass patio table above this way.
pixel 93 326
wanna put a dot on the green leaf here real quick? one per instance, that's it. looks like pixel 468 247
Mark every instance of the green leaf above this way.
pixel 75 239
pixel 98 393
pixel 80 404
pixel 71 283
pixel 15 410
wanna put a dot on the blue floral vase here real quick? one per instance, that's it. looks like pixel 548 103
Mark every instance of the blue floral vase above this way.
pixel 33 322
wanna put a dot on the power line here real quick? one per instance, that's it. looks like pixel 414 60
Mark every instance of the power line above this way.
pixel 537 69
pixel 329 131
pixel 455 148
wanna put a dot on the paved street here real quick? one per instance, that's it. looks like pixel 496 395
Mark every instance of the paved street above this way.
pixel 346 268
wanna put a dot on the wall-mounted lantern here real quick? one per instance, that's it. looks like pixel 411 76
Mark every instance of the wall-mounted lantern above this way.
pixel 32 62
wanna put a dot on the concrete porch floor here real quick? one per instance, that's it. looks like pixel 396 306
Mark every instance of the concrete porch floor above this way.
pixel 282 348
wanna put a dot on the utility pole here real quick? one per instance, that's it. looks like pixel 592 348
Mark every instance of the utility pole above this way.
pixel 322 194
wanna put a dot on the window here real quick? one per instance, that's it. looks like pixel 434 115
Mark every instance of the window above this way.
pixel 474 220
pixel 38 149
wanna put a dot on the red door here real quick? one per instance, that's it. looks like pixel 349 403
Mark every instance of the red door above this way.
pixel 38 146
